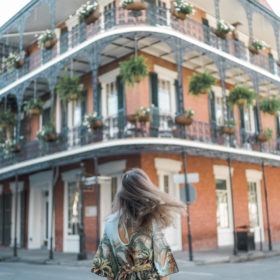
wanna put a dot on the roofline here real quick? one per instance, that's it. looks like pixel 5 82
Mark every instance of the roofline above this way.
pixel 18 14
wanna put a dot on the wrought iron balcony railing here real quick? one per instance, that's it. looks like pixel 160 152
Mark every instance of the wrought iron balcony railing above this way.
pixel 157 16
pixel 121 127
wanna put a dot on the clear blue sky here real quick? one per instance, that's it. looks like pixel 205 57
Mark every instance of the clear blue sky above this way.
pixel 9 7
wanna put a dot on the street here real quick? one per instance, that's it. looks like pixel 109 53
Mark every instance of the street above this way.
pixel 258 270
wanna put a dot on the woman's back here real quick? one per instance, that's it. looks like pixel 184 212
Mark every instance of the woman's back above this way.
pixel 124 254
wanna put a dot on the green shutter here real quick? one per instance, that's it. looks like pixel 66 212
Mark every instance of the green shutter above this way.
pixel 242 120
pixel 278 125
pixel 177 91
pixel 84 105
pixel 99 100
pixel 121 106
pixel 256 117
pixel 212 105
pixel 154 89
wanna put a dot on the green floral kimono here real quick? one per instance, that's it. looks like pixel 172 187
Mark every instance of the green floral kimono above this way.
pixel 146 256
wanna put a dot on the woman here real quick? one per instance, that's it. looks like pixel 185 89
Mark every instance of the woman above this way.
pixel 133 246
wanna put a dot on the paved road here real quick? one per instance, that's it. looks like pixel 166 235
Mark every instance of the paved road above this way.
pixel 258 270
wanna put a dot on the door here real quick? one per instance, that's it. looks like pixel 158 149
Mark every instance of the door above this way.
pixel 7 198
pixel 173 233
pixel 224 213
pixel 74 122
pixel 71 217
pixel 255 210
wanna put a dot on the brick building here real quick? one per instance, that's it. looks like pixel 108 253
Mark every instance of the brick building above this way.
pixel 40 178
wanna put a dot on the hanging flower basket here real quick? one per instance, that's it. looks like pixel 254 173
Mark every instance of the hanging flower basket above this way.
pixel 93 121
pixel 143 114
pixel 89 12
pixel 47 40
pixel 241 96
pixel 11 146
pixel 7 119
pixel 14 60
pixel 229 127
pixel 270 105
pixel 185 118
pixel 19 64
pixel 16 148
pixel 201 83
pixel 223 29
pixel 256 46
pixel 265 135
pixel 134 5
pixel 181 9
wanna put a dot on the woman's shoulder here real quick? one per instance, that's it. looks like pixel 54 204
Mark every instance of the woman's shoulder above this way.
pixel 112 218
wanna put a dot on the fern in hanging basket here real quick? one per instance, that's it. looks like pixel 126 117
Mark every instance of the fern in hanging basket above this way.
pixel 33 106
pixel 201 83
pixel 270 105
pixel 69 88
pixel 241 95
pixel 7 119
pixel 134 70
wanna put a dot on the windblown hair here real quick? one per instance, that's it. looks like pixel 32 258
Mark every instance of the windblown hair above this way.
pixel 140 202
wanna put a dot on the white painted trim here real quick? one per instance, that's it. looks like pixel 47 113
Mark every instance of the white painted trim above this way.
pixel 152 29
pixel 141 141
pixel 41 178
pixel 70 176
pixel 13 187
pixel 166 74
pixel 109 76
pixel 222 171
pixel 168 165
pixel 112 167
pixel 253 175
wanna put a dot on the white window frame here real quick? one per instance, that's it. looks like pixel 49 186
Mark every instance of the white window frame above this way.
pixel 218 93
pixel 170 76
pixel 251 119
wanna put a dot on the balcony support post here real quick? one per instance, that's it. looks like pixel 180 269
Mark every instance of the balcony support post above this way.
pixel 217 9
pixel 19 99
pixel 256 88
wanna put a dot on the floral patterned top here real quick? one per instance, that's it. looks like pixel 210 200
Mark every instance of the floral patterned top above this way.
pixel 146 256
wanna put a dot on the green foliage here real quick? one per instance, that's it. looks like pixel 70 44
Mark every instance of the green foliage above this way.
pixel 268 133
pixel 69 88
pixel 46 130
pixel 241 95
pixel 229 123
pixel 34 103
pixel 133 70
pixel 201 83
pixel 270 105
pixel 7 119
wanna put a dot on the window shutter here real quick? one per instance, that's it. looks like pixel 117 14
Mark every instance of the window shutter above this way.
pixel 206 30
pixel 83 105
pixel 154 89
pixel 120 89
pixel 212 108
pixel 177 92
pixel 242 120
pixel 256 118
pixel 278 126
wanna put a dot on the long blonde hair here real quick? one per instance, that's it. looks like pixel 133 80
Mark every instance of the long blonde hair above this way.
pixel 140 202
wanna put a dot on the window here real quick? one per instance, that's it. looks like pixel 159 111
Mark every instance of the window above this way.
pixel 219 110
pixel 249 121
pixel 166 183
pixel 254 217
pixel 46 116
pixel 112 98
pixel 73 209
pixel 222 204
pixel 164 96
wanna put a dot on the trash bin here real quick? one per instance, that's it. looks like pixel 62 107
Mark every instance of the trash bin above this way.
pixel 245 239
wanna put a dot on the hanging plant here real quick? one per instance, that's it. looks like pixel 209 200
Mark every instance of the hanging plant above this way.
pixel 185 118
pixel 133 5
pixel 69 88
pixel 228 127
pixel 11 146
pixel 7 119
pixel 47 133
pixel 88 12
pixel 270 105
pixel 201 83
pixel 47 40
pixel 14 60
pixel 256 46
pixel 93 121
pixel 265 135
pixel 143 114
pixel 223 29
pixel 241 95
pixel 133 70
pixel 33 106
pixel 181 9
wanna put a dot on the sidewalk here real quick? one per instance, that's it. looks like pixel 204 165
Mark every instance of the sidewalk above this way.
pixel 217 256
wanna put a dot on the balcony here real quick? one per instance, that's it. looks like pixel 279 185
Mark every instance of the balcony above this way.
pixel 121 127
pixel 154 16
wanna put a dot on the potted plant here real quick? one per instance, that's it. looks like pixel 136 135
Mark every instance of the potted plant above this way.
pixel 143 114
pixel 34 106
pixel 47 133
pixel 133 5
pixel 88 12
pixel 223 29
pixel 241 95
pixel 201 83
pixel 270 105
pixel 181 8
pixel 256 46
pixel 7 119
pixel 47 40
pixel 14 60
pixel 11 146
pixel 133 70
pixel 185 118
pixel 228 127
pixel 69 88
pixel 265 135
pixel 93 121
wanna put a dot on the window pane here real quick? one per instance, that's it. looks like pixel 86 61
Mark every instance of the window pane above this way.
pixel 166 183
pixel 73 209
pixel 164 96
pixel 254 218
pixel 222 204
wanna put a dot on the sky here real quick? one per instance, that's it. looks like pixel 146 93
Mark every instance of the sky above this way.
pixel 9 7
